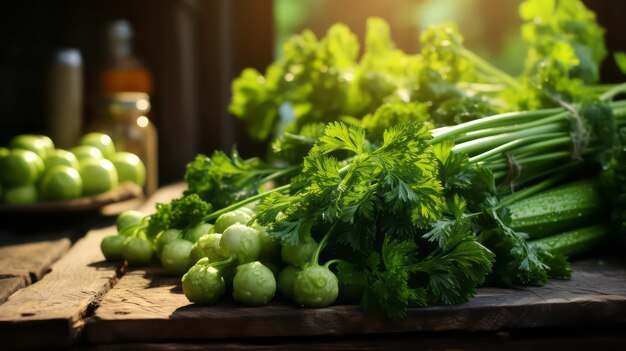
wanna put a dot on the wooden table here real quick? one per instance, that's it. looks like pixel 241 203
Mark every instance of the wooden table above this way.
pixel 56 290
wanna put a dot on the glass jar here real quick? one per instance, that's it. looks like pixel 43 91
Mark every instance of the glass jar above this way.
pixel 124 116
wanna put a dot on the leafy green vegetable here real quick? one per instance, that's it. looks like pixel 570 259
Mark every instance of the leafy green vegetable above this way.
pixel 388 276
pixel 223 180
pixel 399 177
pixel 566 47
pixel 620 60
pixel 410 215
pixel 293 147
pixel 391 114
pixel 393 193
pixel 320 81
pixel 182 212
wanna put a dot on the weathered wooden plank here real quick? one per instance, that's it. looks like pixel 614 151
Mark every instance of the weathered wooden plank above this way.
pixel 31 260
pixel 53 308
pixel 546 340
pixel 146 306
pixel 25 259
pixel 9 285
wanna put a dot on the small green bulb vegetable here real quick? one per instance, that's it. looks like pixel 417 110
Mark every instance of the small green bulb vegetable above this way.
pixel 301 254
pixel 194 233
pixel 137 250
pixel 229 218
pixel 203 283
pixel 273 267
pixel 270 247
pixel 128 218
pixel 286 280
pixel 315 285
pixel 112 247
pixel 254 284
pixel 175 257
pixel 165 237
pixel 207 246
pixel 247 210
pixel 241 243
pixel 130 244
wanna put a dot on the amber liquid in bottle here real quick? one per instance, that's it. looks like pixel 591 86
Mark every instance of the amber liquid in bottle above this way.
pixel 124 72
pixel 125 85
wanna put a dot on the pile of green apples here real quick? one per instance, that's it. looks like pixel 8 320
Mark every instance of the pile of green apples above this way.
pixel 32 170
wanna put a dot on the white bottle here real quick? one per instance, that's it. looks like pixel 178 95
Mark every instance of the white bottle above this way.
pixel 65 98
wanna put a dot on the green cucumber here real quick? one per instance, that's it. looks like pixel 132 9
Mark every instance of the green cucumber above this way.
pixel 572 243
pixel 557 210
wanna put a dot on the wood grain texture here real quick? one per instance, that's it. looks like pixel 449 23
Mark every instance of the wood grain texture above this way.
pixel 146 306
pixel 53 308
pixel 9 285
pixel 31 260
pixel 23 263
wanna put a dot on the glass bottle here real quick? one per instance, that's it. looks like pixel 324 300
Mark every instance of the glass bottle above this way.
pixel 123 70
pixel 124 116
pixel 65 98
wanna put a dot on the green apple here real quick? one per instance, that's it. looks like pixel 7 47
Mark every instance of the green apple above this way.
pixel 61 183
pixel 98 176
pixel 99 140
pixel 129 167
pixel 47 142
pixel 21 195
pixel 58 157
pixel 84 152
pixel 20 167
pixel 30 142
pixel 4 152
pixel 128 218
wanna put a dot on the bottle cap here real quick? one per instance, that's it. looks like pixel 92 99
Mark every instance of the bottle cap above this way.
pixel 120 29
pixel 68 57
pixel 119 36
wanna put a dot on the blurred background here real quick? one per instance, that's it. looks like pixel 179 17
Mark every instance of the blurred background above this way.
pixel 185 53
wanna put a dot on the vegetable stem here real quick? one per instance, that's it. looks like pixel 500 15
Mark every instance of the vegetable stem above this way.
pixel 328 263
pixel 490 142
pixel 488 122
pixel 611 93
pixel 531 190
pixel 512 144
pixel 279 174
pixel 225 262
pixel 321 245
pixel 530 160
pixel 490 69
pixel 544 145
pixel 243 202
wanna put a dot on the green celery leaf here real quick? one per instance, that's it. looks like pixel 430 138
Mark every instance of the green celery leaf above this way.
pixel 620 60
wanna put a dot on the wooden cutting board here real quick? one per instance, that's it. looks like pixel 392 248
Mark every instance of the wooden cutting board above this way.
pixel 84 298
pixel 147 306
